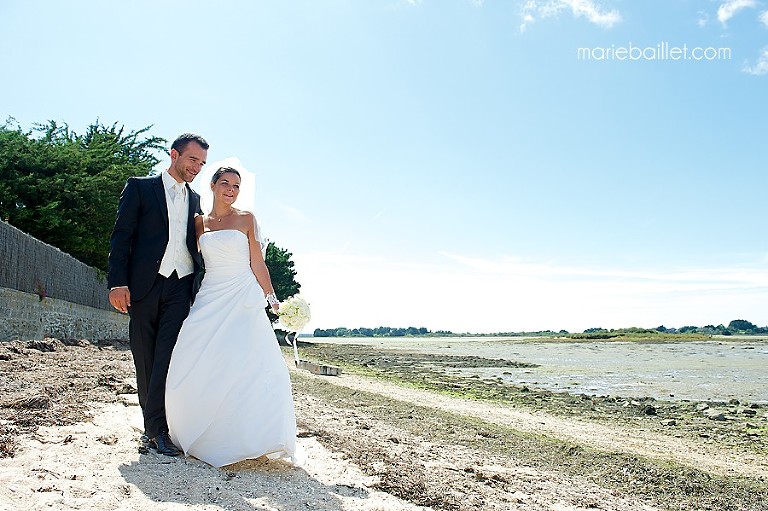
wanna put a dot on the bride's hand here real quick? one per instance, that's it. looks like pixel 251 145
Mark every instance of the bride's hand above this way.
pixel 273 301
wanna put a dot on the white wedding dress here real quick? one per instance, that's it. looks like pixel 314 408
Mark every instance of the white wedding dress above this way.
pixel 228 392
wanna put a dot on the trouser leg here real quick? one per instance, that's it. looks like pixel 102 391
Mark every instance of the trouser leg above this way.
pixel 173 308
pixel 142 332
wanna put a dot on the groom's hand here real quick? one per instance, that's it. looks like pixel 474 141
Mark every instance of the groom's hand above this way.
pixel 120 298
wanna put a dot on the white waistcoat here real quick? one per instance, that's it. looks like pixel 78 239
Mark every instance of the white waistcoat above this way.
pixel 176 255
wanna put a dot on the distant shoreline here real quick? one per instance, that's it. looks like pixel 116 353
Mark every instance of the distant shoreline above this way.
pixel 735 328
pixel 544 338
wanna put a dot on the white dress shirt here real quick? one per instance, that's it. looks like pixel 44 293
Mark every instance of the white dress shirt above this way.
pixel 176 255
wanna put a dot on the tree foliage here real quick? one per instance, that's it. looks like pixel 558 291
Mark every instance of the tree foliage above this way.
pixel 741 325
pixel 63 188
pixel 380 331
pixel 737 326
pixel 282 274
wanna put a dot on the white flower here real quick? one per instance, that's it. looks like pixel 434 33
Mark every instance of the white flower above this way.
pixel 294 313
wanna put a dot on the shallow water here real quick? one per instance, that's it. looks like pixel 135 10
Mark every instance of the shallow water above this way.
pixel 720 370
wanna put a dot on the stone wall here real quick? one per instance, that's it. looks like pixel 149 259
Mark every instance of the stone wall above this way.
pixel 24 316
pixel 29 265
pixel 74 301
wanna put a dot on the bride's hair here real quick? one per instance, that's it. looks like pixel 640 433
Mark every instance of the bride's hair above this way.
pixel 221 171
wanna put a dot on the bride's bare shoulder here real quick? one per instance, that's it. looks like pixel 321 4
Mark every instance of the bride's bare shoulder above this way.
pixel 243 215
pixel 245 219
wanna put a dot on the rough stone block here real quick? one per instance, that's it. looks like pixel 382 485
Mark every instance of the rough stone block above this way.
pixel 320 369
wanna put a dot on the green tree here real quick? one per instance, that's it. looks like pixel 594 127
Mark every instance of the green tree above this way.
pixel 63 188
pixel 741 325
pixel 282 274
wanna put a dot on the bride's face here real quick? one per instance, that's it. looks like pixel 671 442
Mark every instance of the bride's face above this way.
pixel 226 188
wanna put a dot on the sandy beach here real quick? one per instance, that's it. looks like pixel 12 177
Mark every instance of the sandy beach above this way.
pixel 71 426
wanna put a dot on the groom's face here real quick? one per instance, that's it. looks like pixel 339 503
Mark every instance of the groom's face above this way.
pixel 185 165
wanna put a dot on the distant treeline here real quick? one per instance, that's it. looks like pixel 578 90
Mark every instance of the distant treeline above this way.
pixel 735 327
pixel 386 331
pixel 381 331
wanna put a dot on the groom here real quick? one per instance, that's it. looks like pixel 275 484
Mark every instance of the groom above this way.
pixel 153 260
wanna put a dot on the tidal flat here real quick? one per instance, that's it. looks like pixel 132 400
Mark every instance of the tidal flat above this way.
pixel 396 431
pixel 532 381
pixel 715 369
pixel 671 454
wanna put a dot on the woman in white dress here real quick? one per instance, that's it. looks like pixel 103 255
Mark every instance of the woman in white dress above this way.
pixel 228 392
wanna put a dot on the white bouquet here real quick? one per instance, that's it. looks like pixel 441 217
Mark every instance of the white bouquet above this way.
pixel 294 313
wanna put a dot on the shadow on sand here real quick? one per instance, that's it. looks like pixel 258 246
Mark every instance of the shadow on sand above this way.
pixel 247 485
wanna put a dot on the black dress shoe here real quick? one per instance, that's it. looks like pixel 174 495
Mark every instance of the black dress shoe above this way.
pixel 162 445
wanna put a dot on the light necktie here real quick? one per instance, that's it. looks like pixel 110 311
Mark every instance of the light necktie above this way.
pixel 178 199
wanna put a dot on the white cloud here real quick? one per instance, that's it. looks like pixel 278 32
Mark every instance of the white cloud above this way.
pixel 703 19
pixel 533 10
pixel 764 18
pixel 292 212
pixel 345 247
pixel 593 13
pixel 527 20
pixel 729 9
pixel 466 294
pixel 761 66
pixel 692 278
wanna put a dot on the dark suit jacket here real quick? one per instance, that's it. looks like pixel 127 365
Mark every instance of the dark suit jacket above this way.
pixel 141 235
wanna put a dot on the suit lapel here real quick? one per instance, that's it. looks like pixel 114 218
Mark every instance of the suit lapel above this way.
pixel 194 205
pixel 160 194
pixel 191 204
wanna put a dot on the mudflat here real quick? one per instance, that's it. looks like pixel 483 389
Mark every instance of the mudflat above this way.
pixel 395 431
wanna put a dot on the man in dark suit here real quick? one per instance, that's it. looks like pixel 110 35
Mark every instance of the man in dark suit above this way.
pixel 153 261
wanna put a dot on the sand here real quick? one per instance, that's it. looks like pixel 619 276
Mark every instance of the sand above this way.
pixel 71 432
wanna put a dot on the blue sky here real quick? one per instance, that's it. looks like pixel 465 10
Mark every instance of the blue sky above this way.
pixel 451 164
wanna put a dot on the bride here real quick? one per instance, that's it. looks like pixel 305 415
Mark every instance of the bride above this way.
pixel 228 392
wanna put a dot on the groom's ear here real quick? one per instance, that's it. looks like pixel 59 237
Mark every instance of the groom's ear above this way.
pixel 174 155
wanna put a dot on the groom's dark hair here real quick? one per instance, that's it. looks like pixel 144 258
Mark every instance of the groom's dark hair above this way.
pixel 182 141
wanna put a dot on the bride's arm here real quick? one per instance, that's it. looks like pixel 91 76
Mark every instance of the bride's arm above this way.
pixel 199 228
pixel 258 266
